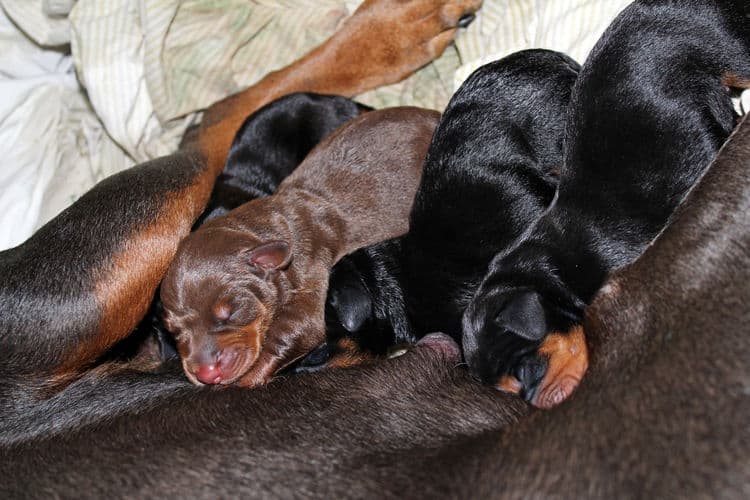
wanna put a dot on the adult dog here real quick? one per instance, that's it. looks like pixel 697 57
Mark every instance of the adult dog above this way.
pixel 662 413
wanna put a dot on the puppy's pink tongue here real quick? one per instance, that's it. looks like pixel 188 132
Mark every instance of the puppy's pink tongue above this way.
pixel 209 373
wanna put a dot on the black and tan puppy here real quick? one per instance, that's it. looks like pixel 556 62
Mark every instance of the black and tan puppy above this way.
pixel 245 292
pixel 490 172
pixel 271 143
pixel 649 111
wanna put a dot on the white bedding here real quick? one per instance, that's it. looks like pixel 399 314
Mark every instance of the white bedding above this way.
pixel 141 71
pixel 53 147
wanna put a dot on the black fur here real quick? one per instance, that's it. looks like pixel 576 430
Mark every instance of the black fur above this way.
pixel 648 113
pixel 270 145
pixel 489 173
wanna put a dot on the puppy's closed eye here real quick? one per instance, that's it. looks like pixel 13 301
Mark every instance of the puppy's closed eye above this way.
pixel 222 312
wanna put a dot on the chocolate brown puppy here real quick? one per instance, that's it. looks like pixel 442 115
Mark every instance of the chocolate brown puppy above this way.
pixel 245 293
pixel 271 143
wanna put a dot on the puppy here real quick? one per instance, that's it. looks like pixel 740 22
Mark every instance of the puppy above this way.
pixel 267 148
pixel 649 111
pixel 245 293
pixel 490 172
pixel 270 145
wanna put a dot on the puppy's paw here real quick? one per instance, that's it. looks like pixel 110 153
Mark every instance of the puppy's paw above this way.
pixel 342 353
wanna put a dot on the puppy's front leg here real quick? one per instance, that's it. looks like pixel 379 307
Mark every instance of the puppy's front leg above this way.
pixel 296 330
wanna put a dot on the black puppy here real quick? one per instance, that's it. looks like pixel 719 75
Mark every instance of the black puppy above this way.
pixel 649 111
pixel 271 143
pixel 490 171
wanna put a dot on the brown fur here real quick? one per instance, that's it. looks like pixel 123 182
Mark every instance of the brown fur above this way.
pixel 267 262
pixel 735 81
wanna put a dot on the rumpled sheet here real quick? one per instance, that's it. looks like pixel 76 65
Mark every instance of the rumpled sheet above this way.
pixel 137 73
pixel 149 66
pixel 53 147
pixel 136 76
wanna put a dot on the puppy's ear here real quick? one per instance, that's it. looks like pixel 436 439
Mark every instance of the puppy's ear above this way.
pixel 523 315
pixel 271 255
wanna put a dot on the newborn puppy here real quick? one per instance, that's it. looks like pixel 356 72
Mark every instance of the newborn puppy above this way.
pixel 267 148
pixel 271 143
pixel 244 295
pixel 649 111
pixel 490 172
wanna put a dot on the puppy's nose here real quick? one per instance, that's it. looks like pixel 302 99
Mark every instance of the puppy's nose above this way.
pixel 209 373
pixel 218 369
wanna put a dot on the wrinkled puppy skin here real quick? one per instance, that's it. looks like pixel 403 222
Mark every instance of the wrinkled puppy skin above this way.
pixel 245 293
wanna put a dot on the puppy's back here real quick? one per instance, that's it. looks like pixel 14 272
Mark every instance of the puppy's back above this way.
pixel 370 168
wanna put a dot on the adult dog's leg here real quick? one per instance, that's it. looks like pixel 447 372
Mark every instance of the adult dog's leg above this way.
pixel 84 280
pixel 383 42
